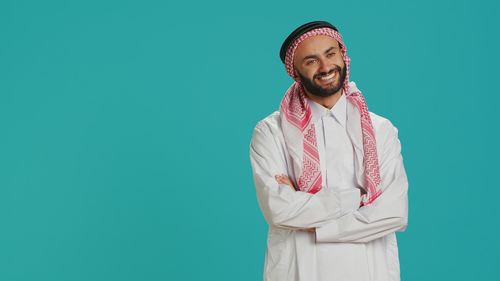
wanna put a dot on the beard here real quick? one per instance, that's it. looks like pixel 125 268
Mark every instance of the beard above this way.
pixel 317 90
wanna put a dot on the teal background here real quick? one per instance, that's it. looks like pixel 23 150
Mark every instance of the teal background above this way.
pixel 125 128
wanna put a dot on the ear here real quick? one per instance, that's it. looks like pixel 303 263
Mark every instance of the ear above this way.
pixel 296 76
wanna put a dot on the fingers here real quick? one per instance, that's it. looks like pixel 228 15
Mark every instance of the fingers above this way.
pixel 282 179
pixel 279 178
pixel 311 230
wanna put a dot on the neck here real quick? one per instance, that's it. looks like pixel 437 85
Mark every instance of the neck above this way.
pixel 327 102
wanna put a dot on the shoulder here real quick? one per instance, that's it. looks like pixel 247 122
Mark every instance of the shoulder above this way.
pixel 267 138
pixel 270 124
pixel 386 133
pixel 382 126
pixel 267 132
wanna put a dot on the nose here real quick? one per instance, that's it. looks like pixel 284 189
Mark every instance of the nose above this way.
pixel 324 66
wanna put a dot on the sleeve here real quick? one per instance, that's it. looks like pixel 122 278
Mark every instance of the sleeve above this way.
pixel 387 214
pixel 280 204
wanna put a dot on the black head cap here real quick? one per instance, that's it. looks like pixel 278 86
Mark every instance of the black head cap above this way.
pixel 299 31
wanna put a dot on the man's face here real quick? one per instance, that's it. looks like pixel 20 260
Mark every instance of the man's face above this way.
pixel 319 65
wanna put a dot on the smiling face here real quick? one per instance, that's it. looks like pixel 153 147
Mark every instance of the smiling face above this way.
pixel 319 66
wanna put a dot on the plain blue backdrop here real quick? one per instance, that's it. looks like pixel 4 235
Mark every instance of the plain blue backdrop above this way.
pixel 125 128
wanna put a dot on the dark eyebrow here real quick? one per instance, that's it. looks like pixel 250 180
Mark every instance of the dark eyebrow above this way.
pixel 330 49
pixel 309 57
pixel 314 56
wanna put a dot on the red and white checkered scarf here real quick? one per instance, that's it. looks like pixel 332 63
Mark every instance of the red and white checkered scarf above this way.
pixel 298 114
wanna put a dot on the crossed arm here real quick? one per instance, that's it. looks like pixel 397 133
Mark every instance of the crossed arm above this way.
pixel 335 217
pixel 285 180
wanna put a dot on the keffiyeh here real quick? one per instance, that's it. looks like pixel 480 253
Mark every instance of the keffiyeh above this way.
pixel 298 119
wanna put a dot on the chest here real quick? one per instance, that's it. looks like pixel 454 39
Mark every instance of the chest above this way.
pixel 336 153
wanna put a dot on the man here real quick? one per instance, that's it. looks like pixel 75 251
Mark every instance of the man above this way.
pixel 329 174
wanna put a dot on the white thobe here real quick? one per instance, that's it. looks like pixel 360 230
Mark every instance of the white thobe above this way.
pixel 350 243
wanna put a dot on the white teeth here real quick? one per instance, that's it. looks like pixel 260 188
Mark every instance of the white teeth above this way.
pixel 327 77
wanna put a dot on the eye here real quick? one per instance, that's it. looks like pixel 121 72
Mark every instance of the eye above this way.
pixel 329 55
pixel 311 61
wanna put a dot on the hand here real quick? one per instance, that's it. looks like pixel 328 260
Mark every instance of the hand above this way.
pixel 284 179
pixel 310 230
